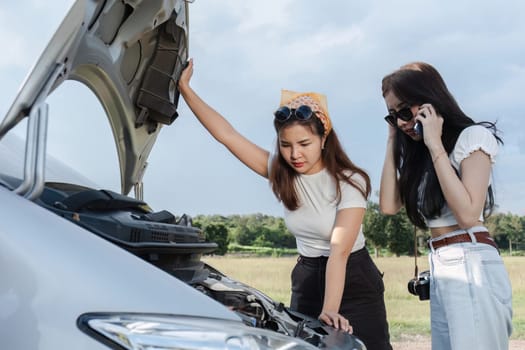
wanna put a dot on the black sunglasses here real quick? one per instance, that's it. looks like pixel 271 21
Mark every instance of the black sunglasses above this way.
pixel 284 113
pixel 405 114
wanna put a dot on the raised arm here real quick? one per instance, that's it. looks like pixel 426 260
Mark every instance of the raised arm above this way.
pixel 253 156
pixel 465 195
pixel 389 200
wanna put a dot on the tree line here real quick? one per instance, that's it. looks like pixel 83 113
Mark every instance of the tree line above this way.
pixel 393 234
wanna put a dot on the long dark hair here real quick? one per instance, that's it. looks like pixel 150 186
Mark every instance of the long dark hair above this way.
pixel 415 84
pixel 282 176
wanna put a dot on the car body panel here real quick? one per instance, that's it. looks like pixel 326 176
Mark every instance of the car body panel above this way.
pixel 57 271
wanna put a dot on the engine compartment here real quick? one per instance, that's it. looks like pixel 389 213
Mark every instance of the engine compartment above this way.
pixel 176 247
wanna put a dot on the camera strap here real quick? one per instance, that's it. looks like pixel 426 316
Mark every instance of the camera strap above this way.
pixel 415 253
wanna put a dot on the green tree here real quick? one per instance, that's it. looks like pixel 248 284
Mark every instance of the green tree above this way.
pixel 493 224
pixel 400 234
pixel 395 232
pixel 521 236
pixel 511 225
pixel 374 227
pixel 264 237
pixel 286 239
pixel 243 235
pixel 218 233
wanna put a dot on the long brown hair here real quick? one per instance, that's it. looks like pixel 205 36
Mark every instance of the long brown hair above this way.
pixel 282 176
pixel 417 83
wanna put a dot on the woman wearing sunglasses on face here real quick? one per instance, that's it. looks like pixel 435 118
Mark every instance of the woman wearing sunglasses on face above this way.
pixel 324 198
pixel 443 178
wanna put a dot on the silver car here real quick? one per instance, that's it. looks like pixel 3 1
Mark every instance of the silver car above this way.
pixel 87 268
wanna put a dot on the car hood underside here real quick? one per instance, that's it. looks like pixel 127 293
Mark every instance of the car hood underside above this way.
pixel 130 54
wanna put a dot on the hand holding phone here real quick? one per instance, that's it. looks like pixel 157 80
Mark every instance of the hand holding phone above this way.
pixel 418 127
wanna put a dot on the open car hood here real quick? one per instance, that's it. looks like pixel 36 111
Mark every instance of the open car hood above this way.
pixel 130 54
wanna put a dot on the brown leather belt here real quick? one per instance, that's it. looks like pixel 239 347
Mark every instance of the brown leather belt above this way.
pixel 481 237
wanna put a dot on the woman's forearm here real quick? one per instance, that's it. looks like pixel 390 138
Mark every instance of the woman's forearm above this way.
pixel 335 283
pixel 465 196
pixel 389 200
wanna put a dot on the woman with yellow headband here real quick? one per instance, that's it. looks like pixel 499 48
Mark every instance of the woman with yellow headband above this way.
pixel 324 195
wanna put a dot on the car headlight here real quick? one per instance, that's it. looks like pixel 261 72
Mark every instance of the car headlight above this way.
pixel 163 332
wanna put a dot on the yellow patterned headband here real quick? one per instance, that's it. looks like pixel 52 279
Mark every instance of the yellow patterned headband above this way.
pixel 317 102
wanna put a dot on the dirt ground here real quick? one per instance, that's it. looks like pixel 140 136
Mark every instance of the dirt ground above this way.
pixel 423 343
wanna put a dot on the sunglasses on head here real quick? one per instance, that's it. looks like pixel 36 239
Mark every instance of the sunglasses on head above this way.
pixel 284 113
pixel 405 114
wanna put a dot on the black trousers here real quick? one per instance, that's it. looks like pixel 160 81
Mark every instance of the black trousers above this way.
pixel 363 302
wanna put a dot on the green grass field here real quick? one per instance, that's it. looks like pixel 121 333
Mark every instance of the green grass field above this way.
pixel 407 315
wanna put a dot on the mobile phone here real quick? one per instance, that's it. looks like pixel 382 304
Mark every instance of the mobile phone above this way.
pixel 418 129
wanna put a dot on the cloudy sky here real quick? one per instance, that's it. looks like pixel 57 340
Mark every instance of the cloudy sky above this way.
pixel 246 51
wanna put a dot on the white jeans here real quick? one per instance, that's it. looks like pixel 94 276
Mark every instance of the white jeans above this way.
pixel 470 298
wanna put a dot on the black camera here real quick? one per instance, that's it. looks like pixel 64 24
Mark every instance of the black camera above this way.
pixel 420 285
